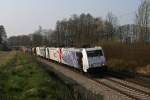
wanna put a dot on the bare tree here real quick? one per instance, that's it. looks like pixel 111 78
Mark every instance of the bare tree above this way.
pixel 143 20
pixel 111 18
pixel 110 25
pixel 3 38
pixel 3 35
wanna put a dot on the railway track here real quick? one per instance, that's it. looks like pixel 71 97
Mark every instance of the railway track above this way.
pixel 130 78
pixel 132 90
pixel 125 89
pixel 129 89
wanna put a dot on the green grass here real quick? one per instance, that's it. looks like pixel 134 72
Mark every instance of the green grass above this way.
pixel 22 78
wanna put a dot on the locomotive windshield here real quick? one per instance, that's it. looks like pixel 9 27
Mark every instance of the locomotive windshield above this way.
pixel 94 53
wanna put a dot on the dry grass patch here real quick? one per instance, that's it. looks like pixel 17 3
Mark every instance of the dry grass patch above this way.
pixel 5 57
pixel 144 70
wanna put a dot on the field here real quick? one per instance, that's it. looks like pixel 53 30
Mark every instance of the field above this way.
pixel 133 58
pixel 22 78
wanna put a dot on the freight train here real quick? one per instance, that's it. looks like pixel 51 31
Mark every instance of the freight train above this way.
pixel 79 58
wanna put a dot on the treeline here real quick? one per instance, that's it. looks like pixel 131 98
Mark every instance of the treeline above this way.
pixel 75 31
pixel 84 29
pixel 38 38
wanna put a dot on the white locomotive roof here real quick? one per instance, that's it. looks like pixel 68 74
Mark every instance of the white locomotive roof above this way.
pixel 96 48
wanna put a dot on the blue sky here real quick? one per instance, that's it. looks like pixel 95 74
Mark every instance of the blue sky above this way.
pixel 24 16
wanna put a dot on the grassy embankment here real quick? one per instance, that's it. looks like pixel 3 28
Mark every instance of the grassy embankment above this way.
pixel 133 58
pixel 21 78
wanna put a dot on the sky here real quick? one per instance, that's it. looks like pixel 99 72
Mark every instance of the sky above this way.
pixel 24 16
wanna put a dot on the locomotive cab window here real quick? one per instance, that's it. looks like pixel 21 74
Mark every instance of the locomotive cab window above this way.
pixel 94 53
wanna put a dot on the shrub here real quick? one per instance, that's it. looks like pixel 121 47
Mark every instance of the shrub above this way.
pixel 131 57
